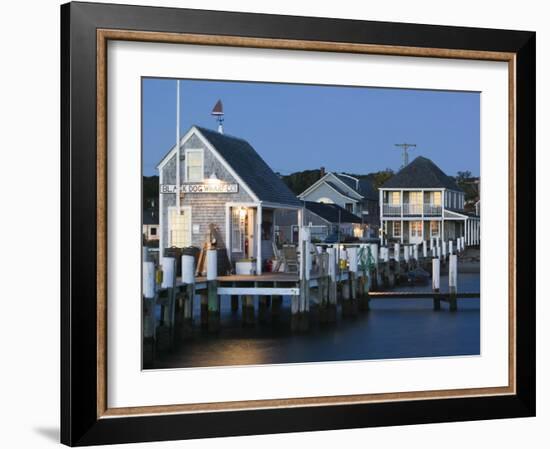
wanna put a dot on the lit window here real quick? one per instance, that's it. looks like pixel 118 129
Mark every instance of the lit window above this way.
pixel 415 197
pixel 436 198
pixel 397 229
pixel 238 217
pixel 180 227
pixel 434 228
pixel 416 228
pixel 394 198
pixel 194 165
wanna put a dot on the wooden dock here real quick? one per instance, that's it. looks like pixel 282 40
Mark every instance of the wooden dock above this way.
pixel 328 285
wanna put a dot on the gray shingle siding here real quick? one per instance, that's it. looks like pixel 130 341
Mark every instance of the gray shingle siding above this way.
pixel 207 208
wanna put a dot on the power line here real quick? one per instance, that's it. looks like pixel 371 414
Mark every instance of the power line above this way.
pixel 405 152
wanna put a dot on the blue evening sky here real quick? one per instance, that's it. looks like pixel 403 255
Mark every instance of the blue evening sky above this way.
pixel 300 127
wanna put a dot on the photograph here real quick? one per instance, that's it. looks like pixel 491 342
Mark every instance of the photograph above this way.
pixel 272 223
pixel 299 223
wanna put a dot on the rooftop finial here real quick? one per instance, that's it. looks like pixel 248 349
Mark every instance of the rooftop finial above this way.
pixel 217 112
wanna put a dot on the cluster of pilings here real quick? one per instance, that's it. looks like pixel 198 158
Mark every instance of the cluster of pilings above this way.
pixel 330 278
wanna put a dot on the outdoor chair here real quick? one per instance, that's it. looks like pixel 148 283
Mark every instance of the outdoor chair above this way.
pixel 290 259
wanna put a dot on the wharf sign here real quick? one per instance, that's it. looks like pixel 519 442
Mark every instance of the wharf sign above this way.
pixel 203 187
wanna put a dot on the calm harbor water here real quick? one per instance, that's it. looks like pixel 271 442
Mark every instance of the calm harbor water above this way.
pixel 393 328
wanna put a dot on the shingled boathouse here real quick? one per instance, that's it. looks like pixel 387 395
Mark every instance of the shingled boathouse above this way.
pixel 223 184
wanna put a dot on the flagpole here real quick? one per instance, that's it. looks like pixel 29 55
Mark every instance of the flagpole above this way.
pixel 178 145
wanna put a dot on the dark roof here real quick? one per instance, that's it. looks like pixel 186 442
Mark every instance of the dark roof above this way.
pixel 364 187
pixel 330 212
pixel 150 217
pixel 350 182
pixel 251 168
pixel 421 173
pixel 338 189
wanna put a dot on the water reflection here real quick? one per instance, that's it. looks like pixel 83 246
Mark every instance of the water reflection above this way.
pixel 394 328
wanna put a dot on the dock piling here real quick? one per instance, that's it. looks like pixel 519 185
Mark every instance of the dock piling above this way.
pixel 332 285
pixel 149 321
pixel 169 304
pixel 435 283
pixel 212 286
pixel 188 279
pixel 452 282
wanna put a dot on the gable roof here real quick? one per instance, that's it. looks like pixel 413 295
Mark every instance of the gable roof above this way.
pixel 421 173
pixel 251 168
pixel 360 186
pixel 340 191
pixel 332 212
pixel 246 163
pixel 363 186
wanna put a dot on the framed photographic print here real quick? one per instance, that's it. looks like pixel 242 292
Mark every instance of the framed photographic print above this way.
pixel 279 224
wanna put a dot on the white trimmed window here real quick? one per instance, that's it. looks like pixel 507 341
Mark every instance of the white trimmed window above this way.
pixel 416 228
pixel 179 227
pixel 434 228
pixel 415 198
pixel 396 229
pixel 436 198
pixel 394 198
pixel 238 217
pixel 194 165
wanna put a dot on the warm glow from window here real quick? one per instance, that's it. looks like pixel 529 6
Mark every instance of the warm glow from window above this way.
pixel 436 198
pixel 397 229
pixel 415 197
pixel 179 227
pixel 416 228
pixel 434 228
pixel 394 197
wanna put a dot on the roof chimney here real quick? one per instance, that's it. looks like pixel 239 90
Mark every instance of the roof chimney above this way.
pixel 322 171
pixel 217 112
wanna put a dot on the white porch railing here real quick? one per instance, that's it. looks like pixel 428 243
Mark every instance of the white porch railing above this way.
pixel 411 209
pixel 432 209
pixel 391 210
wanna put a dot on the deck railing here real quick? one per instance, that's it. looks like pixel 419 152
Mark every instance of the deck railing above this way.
pixel 432 209
pixel 411 209
pixel 391 210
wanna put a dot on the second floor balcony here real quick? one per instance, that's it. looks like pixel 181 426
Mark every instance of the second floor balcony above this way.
pixel 411 210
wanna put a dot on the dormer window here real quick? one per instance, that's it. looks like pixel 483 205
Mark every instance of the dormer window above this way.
pixel 194 165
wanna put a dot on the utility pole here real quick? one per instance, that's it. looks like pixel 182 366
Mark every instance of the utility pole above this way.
pixel 405 154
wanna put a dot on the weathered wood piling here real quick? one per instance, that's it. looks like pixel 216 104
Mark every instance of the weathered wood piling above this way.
pixel 453 282
pixel 188 293
pixel 435 283
pixel 148 312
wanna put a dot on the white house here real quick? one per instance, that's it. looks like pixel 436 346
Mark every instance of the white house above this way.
pixel 223 183
pixel 357 196
pixel 323 220
pixel 420 202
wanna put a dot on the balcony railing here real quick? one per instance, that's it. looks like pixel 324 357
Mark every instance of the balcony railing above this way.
pixel 411 209
pixel 432 210
pixel 391 210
